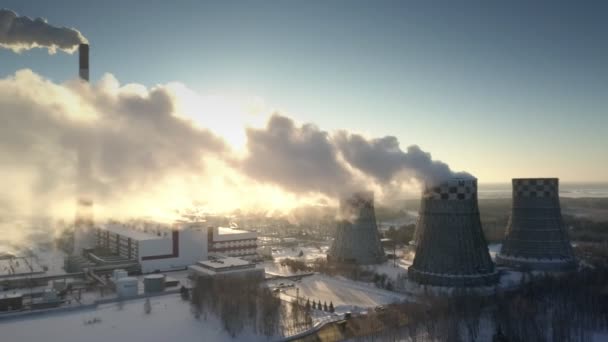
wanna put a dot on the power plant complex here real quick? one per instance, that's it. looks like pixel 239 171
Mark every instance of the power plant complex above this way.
pixel 452 250
pixel 450 246
pixel 536 238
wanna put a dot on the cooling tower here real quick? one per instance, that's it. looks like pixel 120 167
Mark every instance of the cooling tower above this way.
pixel 536 237
pixel 451 250
pixel 357 240
pixel 83 62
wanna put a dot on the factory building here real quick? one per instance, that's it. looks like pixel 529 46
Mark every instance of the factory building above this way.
pixel 357 240
pixel 156 247
pixel 536 237
pixel 232 242
pixel 227 268
pixel 451 250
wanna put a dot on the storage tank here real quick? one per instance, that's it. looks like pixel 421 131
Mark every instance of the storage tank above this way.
pixel 126 287
pixel 154 283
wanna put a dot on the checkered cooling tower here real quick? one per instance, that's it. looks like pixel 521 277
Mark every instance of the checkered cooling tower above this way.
pixel 357 240
pixel 451 248
pixel 536 238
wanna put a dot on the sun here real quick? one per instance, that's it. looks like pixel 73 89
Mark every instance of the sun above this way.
pixel 226 116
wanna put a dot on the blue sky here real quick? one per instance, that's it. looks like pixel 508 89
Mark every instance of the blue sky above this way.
pixel 500 89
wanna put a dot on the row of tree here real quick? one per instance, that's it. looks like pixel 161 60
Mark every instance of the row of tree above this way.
pixel 315 306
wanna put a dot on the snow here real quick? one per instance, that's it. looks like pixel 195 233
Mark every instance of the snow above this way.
pixel 494 249
pixel 394 268
pixel 310 253
pixel 169 320
pixel 345 294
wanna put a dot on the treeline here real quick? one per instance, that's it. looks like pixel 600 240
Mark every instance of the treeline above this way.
pixel 549 308
pixel 239 304
pixel 246 305
pixel 402 235
pixel 586 230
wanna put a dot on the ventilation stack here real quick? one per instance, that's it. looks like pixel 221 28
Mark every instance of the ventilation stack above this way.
pixel 536 238
pixel 452 250
pixel 357 240
pixel 83 62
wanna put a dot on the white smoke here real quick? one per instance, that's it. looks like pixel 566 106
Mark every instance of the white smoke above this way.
pixel 307 159
pixel 19 33
pixel 126 144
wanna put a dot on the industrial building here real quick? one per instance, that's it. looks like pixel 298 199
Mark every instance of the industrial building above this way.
pixel 227 268
pixel 357 240
pixel 156 247
pixel 232 242
pixel 451 250
pixel 536 237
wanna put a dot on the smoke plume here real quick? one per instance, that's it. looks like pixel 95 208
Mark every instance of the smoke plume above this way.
pixel 383 159
pixel 300 159
pixel 125 144
pixel 107 141
pixel 307 159
pixel 23 33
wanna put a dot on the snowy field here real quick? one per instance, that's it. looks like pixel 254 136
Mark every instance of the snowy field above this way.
pixel 345 294
pixel 309 253
pixel 170 320
pixel 394 268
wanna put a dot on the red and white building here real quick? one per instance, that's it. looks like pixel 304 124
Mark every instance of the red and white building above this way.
pixel 159 247
pixel 156 247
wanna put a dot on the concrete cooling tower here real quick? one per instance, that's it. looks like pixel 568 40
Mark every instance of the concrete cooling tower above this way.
pixel 357 240
pixel 536 237
pixel 451 250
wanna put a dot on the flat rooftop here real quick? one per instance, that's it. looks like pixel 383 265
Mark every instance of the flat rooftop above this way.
pixel 226 231
pixel 226 263
pixel 18 266
pixel 132 232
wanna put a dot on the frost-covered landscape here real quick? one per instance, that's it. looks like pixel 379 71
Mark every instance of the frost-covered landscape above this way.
pixel 170 318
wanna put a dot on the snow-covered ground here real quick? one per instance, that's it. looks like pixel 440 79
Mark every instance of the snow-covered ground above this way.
pixel 394 268
pixel 309 253
pixel 345 294
pixel 494 249
pixel 170 320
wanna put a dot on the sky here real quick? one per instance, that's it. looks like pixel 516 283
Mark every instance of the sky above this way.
pixel 497 89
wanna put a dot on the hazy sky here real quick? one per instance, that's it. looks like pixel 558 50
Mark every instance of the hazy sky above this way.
pixel 501 90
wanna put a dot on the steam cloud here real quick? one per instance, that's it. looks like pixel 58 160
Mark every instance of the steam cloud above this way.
pixel 23 33
pixel 383 159
pixel 103 140
pixel 307 159
pixel 301 159
pixel 107 141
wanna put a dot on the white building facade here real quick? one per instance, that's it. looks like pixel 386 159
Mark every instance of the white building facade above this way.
pixel 232 242
pixel 156 248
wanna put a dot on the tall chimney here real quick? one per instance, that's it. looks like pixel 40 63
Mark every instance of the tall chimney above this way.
pixel 83 65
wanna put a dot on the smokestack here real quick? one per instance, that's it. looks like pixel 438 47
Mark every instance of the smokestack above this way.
pixel 83 65
pixel 357 240
pixel 452 250
pixel 536 237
